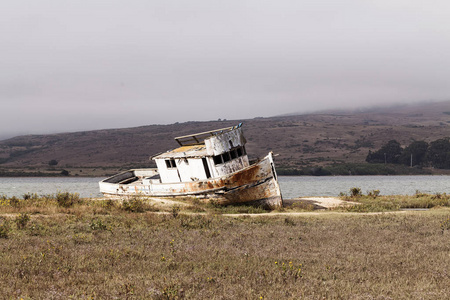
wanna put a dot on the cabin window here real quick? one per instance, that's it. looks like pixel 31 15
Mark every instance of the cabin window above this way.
pixel 226 157
pixel 230 155
pixel 233 154
pixel 170 163
pixel 206 167
pixel 217 159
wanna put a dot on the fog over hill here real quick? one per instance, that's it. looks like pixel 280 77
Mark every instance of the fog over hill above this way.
pixel 91 65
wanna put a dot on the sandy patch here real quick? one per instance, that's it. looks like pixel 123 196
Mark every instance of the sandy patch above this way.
pixel 155 200
pixel 166 202
pixel 319 202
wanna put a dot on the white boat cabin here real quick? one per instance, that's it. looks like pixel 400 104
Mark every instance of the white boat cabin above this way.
pixel 204 155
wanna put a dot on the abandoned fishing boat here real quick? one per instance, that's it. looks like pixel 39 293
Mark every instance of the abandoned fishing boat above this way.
pixel 212 166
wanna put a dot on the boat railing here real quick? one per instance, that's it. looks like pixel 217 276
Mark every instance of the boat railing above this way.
pixel 120 177
pixel 199 138
pixel 131 176
pixel 129 180
pixel 141 173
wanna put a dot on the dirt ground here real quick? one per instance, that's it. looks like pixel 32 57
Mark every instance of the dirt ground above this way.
pixel 319 202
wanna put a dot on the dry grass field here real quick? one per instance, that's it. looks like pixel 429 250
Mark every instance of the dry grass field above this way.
pixel 62 247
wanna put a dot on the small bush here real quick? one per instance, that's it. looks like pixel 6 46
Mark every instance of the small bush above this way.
pixel 175 211
pixel 4 229
pixel 48 197
pixel 30 196
pixel 439 196
pixel 420 194
pixel 373 193
pixel 22 220
pixel 66 199
pixel 289 222
pixel 53 162
pixel 14 201
pixel 355 192
pixel 133 204
pixel 108 204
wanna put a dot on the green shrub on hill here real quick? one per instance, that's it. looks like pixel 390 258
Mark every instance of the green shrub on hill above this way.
pixel 418 153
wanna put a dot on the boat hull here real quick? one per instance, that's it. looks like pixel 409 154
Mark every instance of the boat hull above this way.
pixel 255 185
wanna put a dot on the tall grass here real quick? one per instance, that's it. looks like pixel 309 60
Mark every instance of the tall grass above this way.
pixel 373 202
pixel 118 254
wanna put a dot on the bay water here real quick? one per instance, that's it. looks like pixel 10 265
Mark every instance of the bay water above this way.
pixel 291 186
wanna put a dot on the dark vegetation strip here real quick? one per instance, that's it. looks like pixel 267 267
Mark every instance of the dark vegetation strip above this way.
pixel 418 153
pixel 355 169
pixel 21 173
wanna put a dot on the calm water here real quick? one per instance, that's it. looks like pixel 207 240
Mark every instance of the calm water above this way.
pixel 18 186
pixel 291 186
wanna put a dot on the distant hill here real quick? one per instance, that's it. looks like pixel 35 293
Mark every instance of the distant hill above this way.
pixel 309 140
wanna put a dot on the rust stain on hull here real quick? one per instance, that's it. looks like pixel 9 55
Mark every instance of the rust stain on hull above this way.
pixel 255 184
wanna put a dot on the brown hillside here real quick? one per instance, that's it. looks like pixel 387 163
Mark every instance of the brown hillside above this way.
pixel 300 140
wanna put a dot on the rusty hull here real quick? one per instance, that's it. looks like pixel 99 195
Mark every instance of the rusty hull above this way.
pixel 256 184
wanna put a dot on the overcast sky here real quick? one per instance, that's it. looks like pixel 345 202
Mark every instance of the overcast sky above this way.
pixel 81 65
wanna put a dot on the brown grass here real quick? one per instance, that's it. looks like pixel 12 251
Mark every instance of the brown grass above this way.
pixel 375 203
pixel 96 250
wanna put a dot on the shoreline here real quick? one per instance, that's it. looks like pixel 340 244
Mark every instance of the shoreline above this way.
pixel 42 175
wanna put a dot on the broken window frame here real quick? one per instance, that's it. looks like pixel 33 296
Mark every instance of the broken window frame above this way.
pixel 228 156
pixel 218 159
pixel 170 163
pixel 240 152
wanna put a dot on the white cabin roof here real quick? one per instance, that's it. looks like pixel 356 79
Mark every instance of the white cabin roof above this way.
pixel 205 144
pixel 199 138
pixel 184 151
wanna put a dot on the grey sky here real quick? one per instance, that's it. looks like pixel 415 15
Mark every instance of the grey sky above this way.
pixel 79 65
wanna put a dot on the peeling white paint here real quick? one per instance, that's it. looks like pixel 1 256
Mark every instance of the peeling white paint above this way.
pixel 224 142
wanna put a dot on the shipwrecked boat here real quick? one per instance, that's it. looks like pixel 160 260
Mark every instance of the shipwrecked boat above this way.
pixel 211 166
